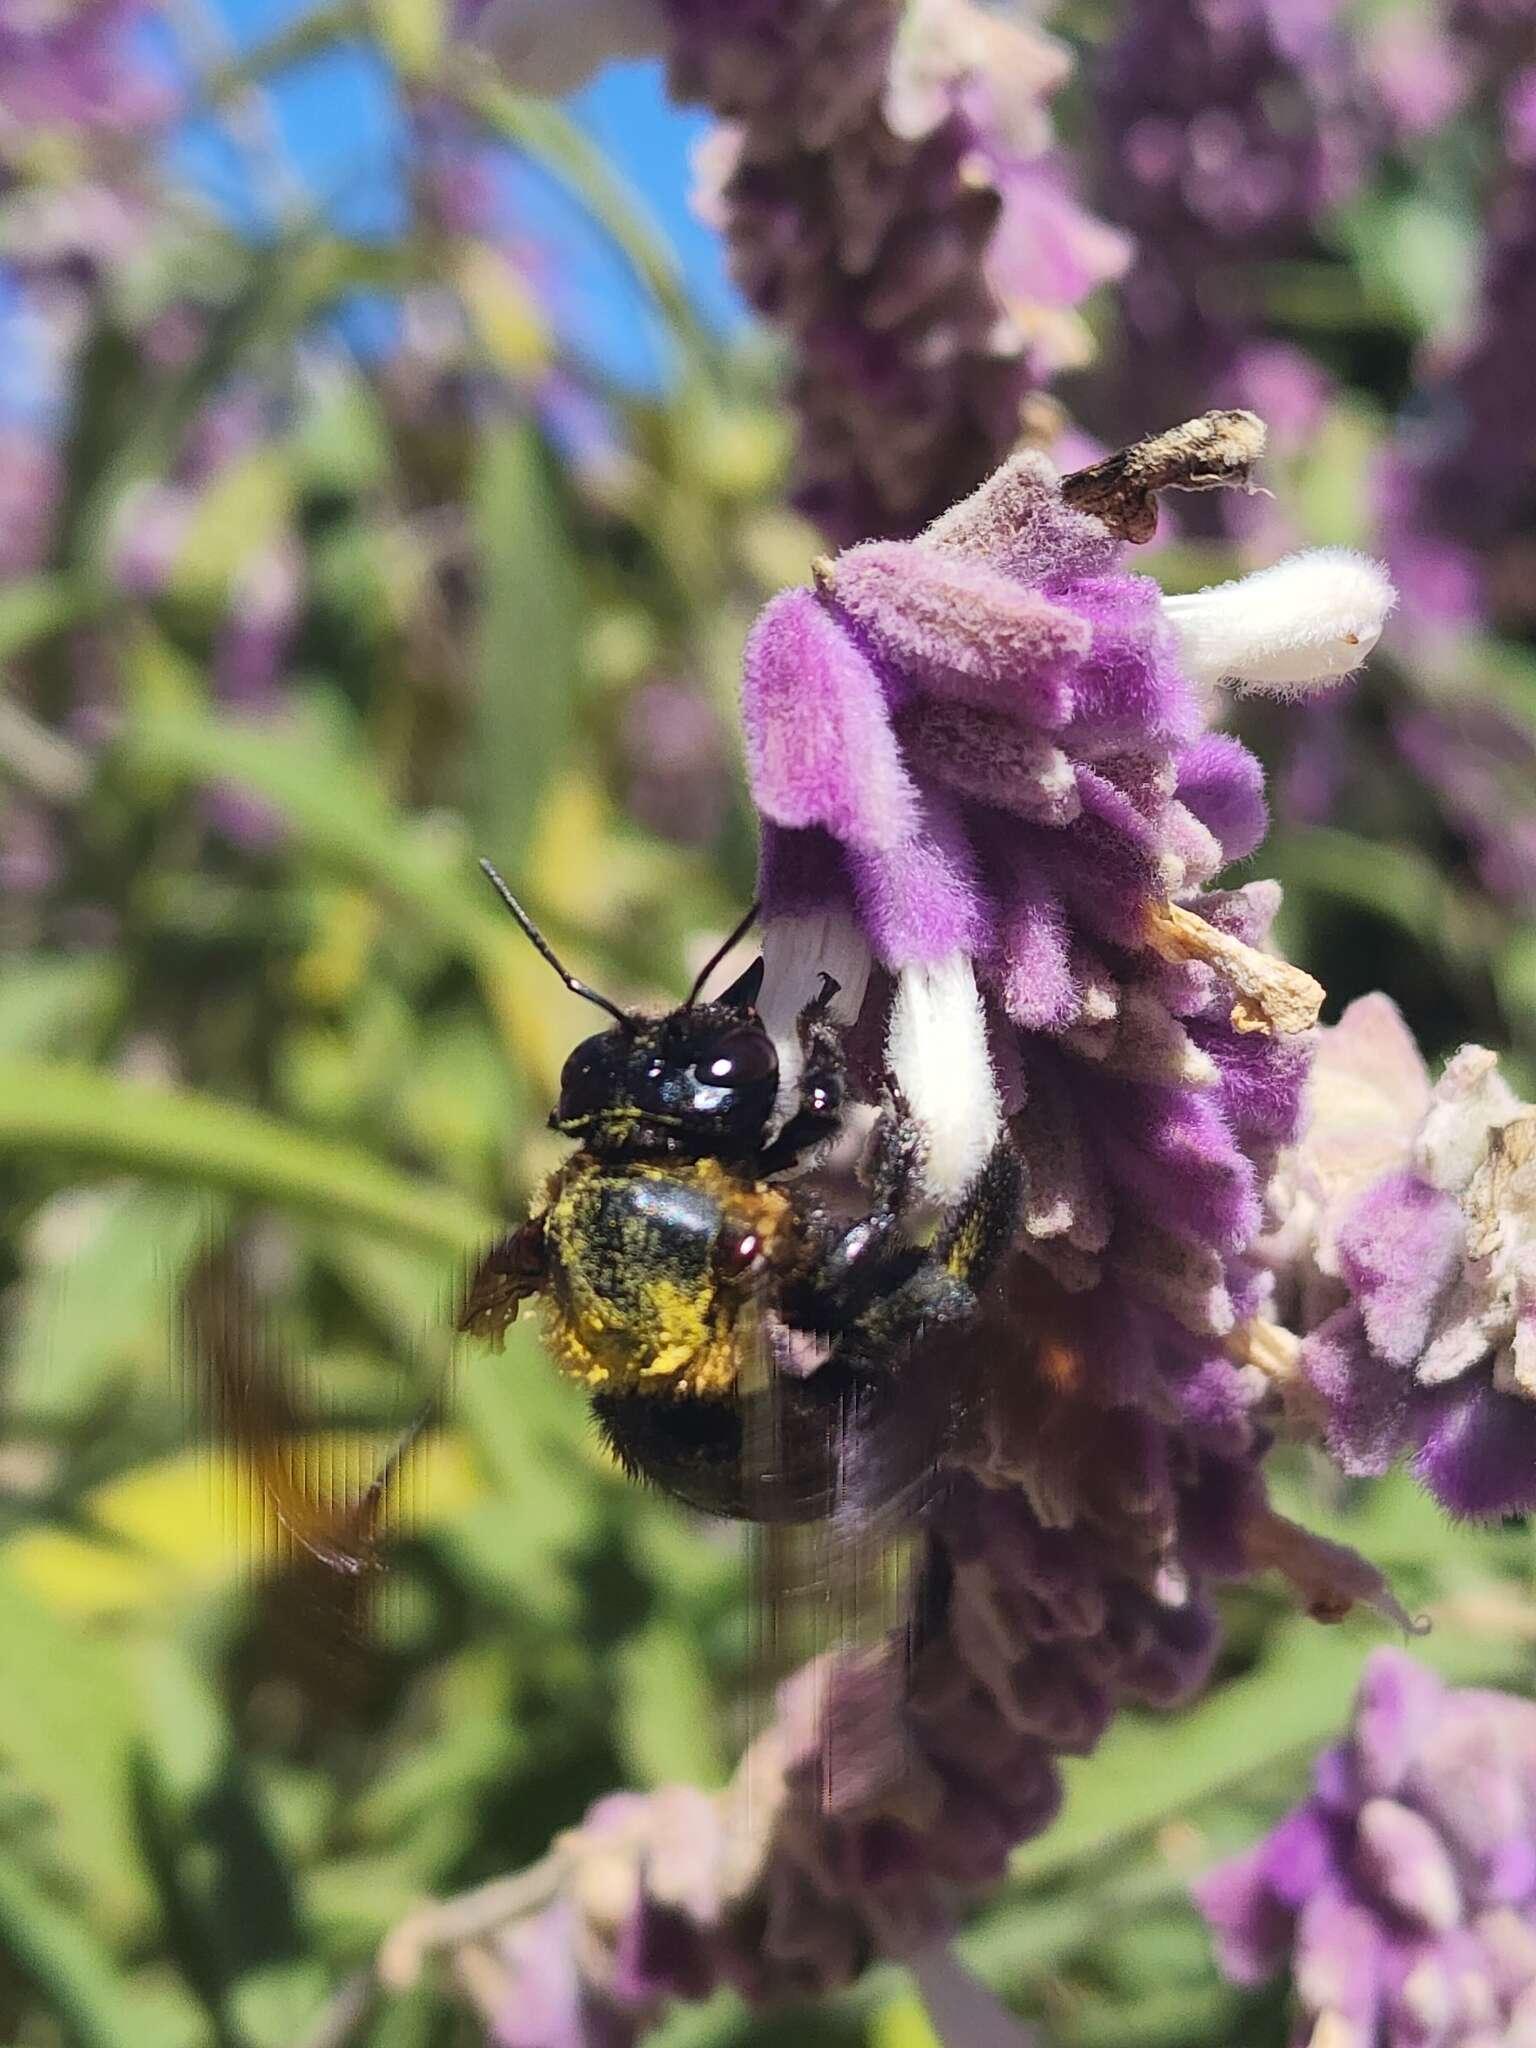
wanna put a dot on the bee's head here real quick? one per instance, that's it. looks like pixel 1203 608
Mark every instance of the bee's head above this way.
pixel 703 1079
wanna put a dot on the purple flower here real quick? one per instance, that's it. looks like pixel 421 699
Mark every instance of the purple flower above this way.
pixel 73 67
pixel 889 200
pixel 1408 1252
pixel 983 768
pixel 1401 1895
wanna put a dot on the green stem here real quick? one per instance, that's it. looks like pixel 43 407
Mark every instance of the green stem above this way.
pixel 51 1109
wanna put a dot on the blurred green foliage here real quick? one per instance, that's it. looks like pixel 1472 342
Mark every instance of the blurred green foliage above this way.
pixel 316 1037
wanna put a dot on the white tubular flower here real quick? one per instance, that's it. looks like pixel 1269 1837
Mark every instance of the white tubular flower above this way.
pixel 961 2010
pixel 550 47
pixel 936 1049
pixel 1301 625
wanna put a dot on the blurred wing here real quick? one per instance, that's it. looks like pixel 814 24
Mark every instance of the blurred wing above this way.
pixel 314 1522
pixel 842 1583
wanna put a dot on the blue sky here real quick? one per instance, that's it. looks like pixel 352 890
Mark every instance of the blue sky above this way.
pixel 338 125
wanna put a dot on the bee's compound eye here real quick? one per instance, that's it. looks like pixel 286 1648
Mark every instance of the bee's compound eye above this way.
pixel 738 1059
pixel 584 1079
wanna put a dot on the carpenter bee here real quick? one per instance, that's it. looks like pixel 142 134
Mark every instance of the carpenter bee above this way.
pixel 742 1348
pixel 725 1328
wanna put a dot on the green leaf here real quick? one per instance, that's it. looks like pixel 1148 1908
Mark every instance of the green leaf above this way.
pixel 57 1111
pixel 1416 257
pixel 246 506
pixel 34 608
pixel 667 1729
pixel 74 1975
pixel 229 1892
pixel 903 2023
pixel 1159 2017
pixel 528 655
pixel 1331 499
pixel 311 776
pixel 66 1728
pixel 57 1002
pixel 101 1300
pixel 555 142
pixel 412 33
pixel 341 442
pixel 1393 882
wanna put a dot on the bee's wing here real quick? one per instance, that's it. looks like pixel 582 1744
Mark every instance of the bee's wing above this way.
pixel 836 1571
pixel 314 1528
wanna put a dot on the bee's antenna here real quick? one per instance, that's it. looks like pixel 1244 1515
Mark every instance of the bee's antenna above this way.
pixel 542 945
pixel 720 952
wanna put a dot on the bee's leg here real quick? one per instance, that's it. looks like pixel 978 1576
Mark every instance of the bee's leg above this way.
pixel 894 1159
pixel 942 1289
pixel 986 1219
pixel 514 1268
pixel 823 1085
pixel 872 1257
pixel 851 1270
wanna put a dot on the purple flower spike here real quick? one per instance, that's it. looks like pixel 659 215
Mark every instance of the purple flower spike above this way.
pixel 1408 1918
pixel 1228 126
pixel 992 812
pixel 888 196
pixel 1467 500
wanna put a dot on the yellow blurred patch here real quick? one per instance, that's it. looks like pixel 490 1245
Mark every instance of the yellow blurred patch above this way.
pixel 245 507
pixel 331 967
pixel 191 1523
pixel 412 32
pixel 505 313
pixel 902 2024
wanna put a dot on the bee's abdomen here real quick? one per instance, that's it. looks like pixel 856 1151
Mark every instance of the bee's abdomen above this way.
pixel 641 1282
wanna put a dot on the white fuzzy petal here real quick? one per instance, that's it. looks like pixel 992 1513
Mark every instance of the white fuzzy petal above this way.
pixel 936 1049
pixel 961 2010
pixel 1301 625
pixel 550 47
pixel 797 952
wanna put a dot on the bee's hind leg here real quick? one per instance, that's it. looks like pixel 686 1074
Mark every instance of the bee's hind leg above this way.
pixel 942 1290
pixel 875 1291
pixel 985 1220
